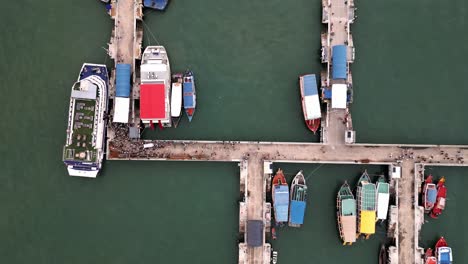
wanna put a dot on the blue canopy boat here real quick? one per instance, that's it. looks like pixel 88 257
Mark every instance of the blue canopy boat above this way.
pixel 190 99
pixel 156 4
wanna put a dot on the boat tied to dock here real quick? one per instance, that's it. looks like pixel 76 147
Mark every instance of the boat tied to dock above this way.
pixel 298 200
pixel 176 98
pixel 84 148
pixel 366 200
pixel 429 195
pixel 156 4
pixel 383 198
pixel 310 102
pixel 346 214
pixel 190 95
pixel 429 257
pixel 280 196
pixel 155 87
pixel 443 252
pixel 441 199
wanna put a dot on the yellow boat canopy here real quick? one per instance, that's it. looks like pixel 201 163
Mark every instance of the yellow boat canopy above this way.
pixel 367 224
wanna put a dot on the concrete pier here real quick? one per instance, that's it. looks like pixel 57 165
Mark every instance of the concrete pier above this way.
pixel 254 158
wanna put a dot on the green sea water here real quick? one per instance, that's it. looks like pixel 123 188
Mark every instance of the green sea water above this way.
pixel 409 79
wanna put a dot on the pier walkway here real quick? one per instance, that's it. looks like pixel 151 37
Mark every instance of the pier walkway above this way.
pixel 125 47
pixel 253 154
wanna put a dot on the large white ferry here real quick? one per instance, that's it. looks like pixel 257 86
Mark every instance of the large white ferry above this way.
pixel 83 152
pixel 155 87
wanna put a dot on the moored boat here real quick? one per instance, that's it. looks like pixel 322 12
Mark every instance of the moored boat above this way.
pixel 366 195
pixel 441 199
pixel 383 198
pixel 298 200
pixel 310 101
pixel 383 255
pixel 280 197
pixel 429 194
pixel 176 98
pixel 429 257
pixel 443 252
pixel 84 148
pixel 155 87
pixel 273 233
pixel 190 95
pixel 346 214
pixel 156 4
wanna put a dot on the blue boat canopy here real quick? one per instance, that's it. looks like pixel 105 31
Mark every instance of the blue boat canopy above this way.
pixel 339 62
pixel 254 233
pixel 297 212
pixel 122 80
pixel 281 204
pixel 155 4
pixel 310 85
pixel 188 95
pixel 431 195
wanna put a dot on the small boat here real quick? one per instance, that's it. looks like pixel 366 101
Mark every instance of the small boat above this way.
pixel 275 257
pixel 273 233
pixel 298 200
pixel 443 252
pixel 346 214
pixel 383 255
pixel 383 198
pixel 366 195
pixel 190 96
pixel 280 197
pixel 441 199
pixel 429 257
pixel 176 98
pixel 310 101
pixel 429 194
pixel 156 4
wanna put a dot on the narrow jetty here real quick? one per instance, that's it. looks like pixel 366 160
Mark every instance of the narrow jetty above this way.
pixel 337 147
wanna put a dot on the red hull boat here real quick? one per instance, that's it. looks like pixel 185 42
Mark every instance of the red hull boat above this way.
pixel 443 252
pixel 429 194
pixel 429 257
pixel 441 199
pixel 313 124
pixel 310 102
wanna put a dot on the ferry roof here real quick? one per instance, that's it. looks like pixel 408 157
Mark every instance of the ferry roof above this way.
pixel 281 203
pixel 254 233
pixel 152 101
pixel 367 222
pixel 297 212
pixel 348 207
pixel 188 94
pixel 339 62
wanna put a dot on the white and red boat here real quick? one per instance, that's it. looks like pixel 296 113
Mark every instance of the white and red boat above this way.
pixel 310 101
pixel 441 199
pixel 429 257
pixel 429 195
pixel 443 252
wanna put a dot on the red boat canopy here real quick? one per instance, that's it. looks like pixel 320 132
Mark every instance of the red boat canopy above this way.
pixel 152 101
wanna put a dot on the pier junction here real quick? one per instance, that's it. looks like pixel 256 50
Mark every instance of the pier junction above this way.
pixel 406 162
